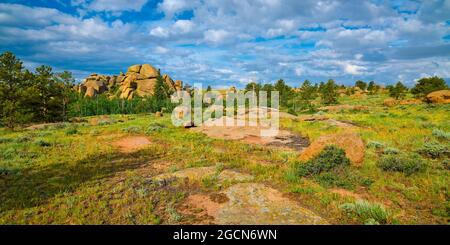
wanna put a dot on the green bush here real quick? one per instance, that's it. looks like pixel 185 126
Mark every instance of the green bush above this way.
pixel 330 158
pixel 155 127
pixel 434 150
pixel 366 212
pixel 440 134
pixel 9 153
pixel 391 150
pixel 331 179
pixel 23 139
pixel 401 163
pixel 375 144
pixel 446 164
pixel 5 140
pixel 132 130
pixel 42 143
pixel 71 131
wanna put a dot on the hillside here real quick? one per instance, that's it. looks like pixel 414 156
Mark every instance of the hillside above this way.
pixel 139 169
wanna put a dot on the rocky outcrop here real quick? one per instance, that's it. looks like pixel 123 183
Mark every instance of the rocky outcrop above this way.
pixel 390 102
pixel 350 142
pixel 439 97
pixel 94 84
pixel 139 80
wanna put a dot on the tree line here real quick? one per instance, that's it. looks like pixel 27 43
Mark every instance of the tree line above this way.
pixel 300 99
pixel 48 96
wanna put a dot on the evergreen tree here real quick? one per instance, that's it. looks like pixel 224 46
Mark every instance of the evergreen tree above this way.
pixel 161 92
pixel 329 94
pixel 427 85
pixel 307 94
pixel 65 81
pixel 14 83
pixel 398 91
pixel 360 84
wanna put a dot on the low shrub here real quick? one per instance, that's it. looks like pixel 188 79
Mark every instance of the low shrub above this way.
pixel 366 212
pixel 155 127
pixel 434 150
pixel 401 163
pixel 132 130
pixel 330 158
pixel 446 164
pixel 42 143
pixel 23 139
pixel 332 179
pixel 71 131
pixel 391 150
pixel 376 144
pixel 5 140
pixel 440 134
pixel 6 171
pixel 9 153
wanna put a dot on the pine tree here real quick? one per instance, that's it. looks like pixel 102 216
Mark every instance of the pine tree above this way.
pixel 398 91
pixel 14 83
pixel 329 94
pixel 161 92
pixel 427 85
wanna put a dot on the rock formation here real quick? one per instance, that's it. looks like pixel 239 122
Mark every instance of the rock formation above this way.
pixel 139 80
pixel 439 97
pixel 350 142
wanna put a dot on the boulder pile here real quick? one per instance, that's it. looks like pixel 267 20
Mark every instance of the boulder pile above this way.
pixel 139 80
pixel 439 97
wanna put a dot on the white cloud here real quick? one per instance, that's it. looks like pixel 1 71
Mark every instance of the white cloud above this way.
pixel 216 36
pixel 183 26
pixel 159 32
pixel 171 7
pixel 161 50
pixel 298 71
pixel 114 6
pixel 354 69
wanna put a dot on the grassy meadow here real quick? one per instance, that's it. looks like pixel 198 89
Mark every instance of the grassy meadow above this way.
pixel 71 173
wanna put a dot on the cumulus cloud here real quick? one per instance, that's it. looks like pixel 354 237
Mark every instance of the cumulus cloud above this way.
pixel 222 42
pixel 216 36
pixel 113 6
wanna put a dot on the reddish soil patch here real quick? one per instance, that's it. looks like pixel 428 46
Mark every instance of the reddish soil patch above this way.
pixel 132 144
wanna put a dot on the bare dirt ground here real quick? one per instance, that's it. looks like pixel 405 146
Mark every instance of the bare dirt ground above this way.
pixel 132 144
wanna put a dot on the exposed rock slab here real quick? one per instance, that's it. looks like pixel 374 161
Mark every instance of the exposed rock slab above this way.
pixel 439 97
pixel 253 203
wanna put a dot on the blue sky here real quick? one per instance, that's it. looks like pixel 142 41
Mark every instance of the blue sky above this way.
pixel 224 43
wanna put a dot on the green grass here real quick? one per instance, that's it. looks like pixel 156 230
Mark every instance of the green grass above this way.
pixel 61 176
